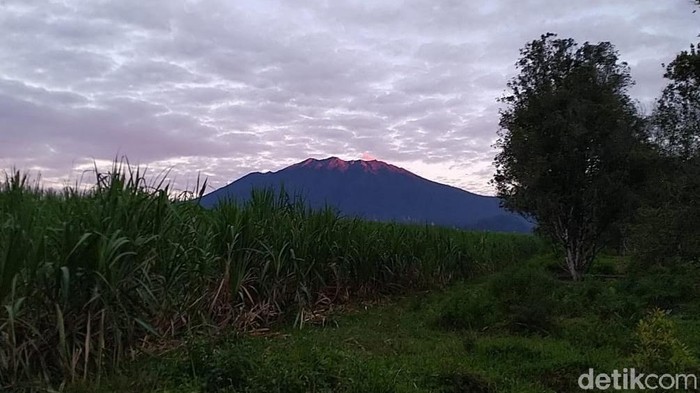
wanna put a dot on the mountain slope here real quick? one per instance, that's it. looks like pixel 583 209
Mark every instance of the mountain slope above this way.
pixel 378 191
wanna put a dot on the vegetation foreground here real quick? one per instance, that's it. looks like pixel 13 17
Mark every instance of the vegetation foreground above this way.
pixel 520 330
pixel 122 288
pixel 89 278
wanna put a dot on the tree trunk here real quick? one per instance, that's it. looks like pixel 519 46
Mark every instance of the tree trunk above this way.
pixel 579 256
pixel 580 243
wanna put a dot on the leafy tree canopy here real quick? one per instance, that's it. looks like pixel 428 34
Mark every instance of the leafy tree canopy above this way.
pixel 567 137
pixel 676 119
pixel 666 229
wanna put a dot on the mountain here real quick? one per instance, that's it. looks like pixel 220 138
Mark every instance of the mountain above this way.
pixel 378 191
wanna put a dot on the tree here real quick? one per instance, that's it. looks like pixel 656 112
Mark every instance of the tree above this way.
pixel 567 138
pixel 676 119
pixel 667 224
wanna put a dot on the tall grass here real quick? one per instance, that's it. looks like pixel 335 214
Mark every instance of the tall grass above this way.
pixel 89 277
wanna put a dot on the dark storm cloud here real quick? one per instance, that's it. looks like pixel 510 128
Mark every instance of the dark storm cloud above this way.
pixel 225 88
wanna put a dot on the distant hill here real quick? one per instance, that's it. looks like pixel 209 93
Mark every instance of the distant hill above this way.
pixel 378 191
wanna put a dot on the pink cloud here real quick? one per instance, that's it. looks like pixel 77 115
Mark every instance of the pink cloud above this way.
pixel 368 157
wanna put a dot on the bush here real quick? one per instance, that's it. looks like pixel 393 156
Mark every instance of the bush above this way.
pixel 525 296
pixel 523 299
pixel 605 299
pixel 472 309
pixel 604 264
pixel 666 286
pixel 658 348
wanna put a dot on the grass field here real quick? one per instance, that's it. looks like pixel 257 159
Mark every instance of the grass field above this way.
pixel 92 277
pixel 474 336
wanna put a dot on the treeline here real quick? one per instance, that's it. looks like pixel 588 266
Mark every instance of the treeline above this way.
pixel 667 224
pixel 580 157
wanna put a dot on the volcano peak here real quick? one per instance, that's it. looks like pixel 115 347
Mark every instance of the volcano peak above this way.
pixel 335 163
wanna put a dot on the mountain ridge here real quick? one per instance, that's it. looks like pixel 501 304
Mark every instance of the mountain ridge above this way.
pixel 377 190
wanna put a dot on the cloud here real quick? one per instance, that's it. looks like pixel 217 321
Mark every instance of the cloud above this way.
pixel 223 88
pixel 366 156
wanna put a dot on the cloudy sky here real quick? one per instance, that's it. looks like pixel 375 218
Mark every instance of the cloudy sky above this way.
pixel 227 87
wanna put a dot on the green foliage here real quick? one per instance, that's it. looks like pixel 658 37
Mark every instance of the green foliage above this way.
pixel 526 297
pixel 595 313
pixel 523 298
pixel 592 331
pixel 665 231
pixel 239 366
pixel 469 341
pixel 606 265
pixel 567 140
pixel 676 118
pixel 394 346
pixel 471 309
pixel 666 286
pixel 608 300
pixel 89 276
pixel 658 348
pixel 318 370
pixel 464 381
pixel 218 369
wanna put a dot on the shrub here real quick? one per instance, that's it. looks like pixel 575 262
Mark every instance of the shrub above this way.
pixel 604 264
pixel 605 299
pixel 525 296
pixel 658 348
pixel 471 309
pixel 666 286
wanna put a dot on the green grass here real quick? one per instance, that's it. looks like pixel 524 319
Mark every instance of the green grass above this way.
pixel 399 345
pixel 90 278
